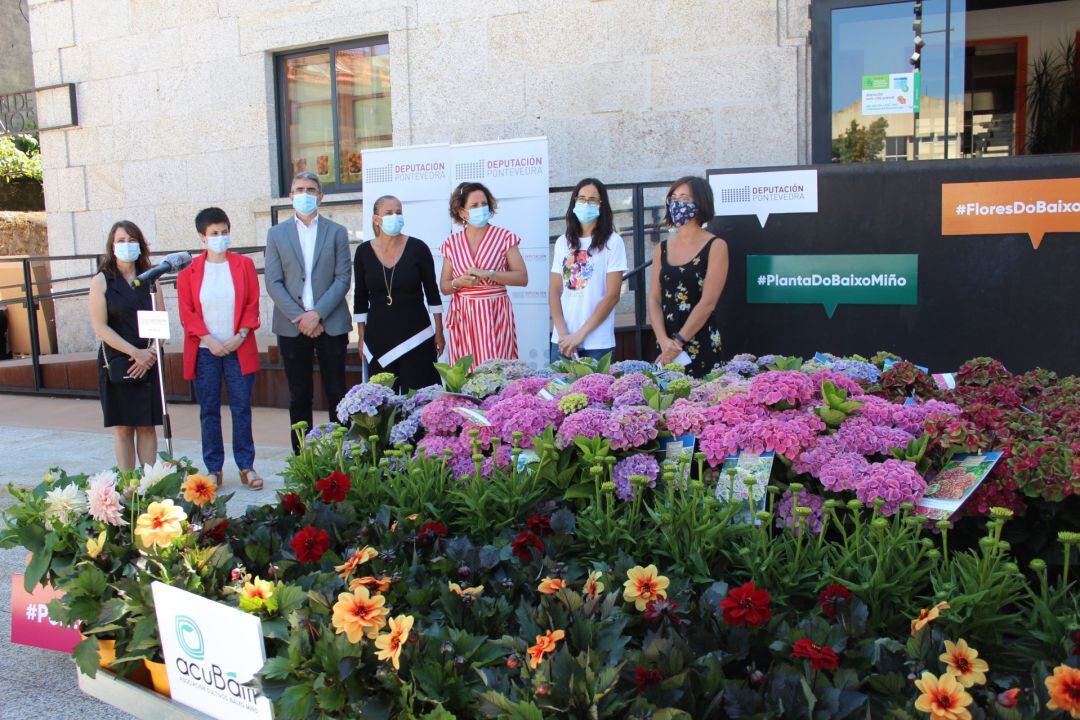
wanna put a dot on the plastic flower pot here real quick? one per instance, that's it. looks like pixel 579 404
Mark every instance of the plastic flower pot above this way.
pixel 159 678
pixel 106 653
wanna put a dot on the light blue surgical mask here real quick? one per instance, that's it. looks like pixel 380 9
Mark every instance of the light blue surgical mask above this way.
pixel 127 251
pixel 218 243
pixel 392 224
pixel 479 216
pixel 586 213
pixel 304 203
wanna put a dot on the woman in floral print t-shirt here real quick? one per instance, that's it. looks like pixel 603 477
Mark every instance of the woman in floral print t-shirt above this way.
pixel 689 272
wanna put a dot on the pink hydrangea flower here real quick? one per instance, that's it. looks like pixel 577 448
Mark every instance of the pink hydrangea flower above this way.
pixel 777 386
pixel 525 386
pixel 734 410
pixel 589 423
pixel 438 416
pixel 875 409
pixel 843 471
pixel 631 381
pixel 432 446
pixel 838 379
pixel 894 481
pixel 859 435
pixel 685 418
pixel 785 511
pixel 912 418
pixel 641 464
pixel 632 426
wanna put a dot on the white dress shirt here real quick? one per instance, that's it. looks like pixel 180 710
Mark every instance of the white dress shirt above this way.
pixel 218 300
pixel 307 234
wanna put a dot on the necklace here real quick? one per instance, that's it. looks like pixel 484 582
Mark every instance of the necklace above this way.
pixel 389 283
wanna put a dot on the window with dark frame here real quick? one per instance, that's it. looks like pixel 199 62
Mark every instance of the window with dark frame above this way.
pixel 978 70
pixel 332 102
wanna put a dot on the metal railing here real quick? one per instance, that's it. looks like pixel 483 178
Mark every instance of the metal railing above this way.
pixel 637 220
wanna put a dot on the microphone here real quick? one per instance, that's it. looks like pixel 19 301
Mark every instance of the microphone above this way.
pixel 173 262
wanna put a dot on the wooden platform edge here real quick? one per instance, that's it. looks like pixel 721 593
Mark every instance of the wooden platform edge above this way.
pixel 134 699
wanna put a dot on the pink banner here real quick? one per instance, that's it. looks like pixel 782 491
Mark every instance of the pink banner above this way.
pixel 30 623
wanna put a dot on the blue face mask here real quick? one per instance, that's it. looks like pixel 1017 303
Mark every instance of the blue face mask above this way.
pixel 218 243
pixel 586 213
pixel 392 224
pixel 681 212
pixel 127 251
pixel 304 204
pixel 479 216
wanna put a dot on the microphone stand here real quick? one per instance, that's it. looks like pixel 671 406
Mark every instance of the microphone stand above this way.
pixel 166 426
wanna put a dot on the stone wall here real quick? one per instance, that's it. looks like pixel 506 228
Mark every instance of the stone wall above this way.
pixel 176 99
pixel 16 69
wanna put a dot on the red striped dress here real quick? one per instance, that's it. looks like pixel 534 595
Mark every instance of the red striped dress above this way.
pixel 480 320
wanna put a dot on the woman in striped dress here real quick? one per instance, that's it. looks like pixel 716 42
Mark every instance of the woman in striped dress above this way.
pixel 479 263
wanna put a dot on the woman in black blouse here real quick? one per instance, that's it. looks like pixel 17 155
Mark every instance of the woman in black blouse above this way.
pixel 395 290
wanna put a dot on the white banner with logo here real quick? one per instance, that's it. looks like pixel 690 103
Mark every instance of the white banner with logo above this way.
pixel 516 172
pixel 765 193
pixel 210 651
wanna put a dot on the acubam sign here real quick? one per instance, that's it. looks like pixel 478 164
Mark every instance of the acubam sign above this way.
pixel 211 652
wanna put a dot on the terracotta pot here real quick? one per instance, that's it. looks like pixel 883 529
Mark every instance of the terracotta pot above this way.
pixel 159 678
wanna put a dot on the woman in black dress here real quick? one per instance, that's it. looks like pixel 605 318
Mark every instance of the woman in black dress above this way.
pixel 395 290
pixel 127 378
pixel 689 272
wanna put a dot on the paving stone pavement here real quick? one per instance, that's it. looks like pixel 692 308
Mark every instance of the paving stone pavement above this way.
pixel 38 433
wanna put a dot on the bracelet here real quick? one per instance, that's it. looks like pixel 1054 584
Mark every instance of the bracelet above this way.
pixel 677 337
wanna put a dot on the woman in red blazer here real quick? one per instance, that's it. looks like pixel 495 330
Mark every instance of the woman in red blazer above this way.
pixel 218 295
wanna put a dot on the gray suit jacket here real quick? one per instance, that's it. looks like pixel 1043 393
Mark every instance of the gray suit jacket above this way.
pixel 330 277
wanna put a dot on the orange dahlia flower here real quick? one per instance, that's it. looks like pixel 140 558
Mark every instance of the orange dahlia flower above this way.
pixel 358 614
pixel 964 663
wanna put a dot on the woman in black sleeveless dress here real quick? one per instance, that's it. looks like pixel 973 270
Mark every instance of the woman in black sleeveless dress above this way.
pixel 130 405
pixel 395 290
pixel 689 272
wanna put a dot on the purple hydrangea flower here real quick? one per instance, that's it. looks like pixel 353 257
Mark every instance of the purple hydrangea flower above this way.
pixel 786 517
pixel 641 464
pixel 631 366
pixel 321 432
pixel 631 381
pixel 527 414
pixel 588 423
pixel 843 382
pixel 365 399
pixel 858 370
pixel 633 396
pixel 877 410
pixel 525 386
pixel 405 430
pixel 843 471
pixel 859 435
pixel 740 367
pixel 631 426
pixel 433 446
pixel 596 387
pixel 420 398
pixel 894 481
pixel 912 418
pixel 766 360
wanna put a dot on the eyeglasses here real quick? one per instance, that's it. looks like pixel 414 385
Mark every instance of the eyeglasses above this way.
pixel 595 202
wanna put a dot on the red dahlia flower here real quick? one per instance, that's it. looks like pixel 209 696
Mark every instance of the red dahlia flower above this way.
pixel 523 545
pixel 645 678
pixel 746 605
pixel 821 657
pixel 334 487
pixel 430 532
pixel 310 544
pixel 293 504
pixel 832 598
pixel 540 525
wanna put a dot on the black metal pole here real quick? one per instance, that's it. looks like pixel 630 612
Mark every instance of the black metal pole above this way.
pixel 31 321
pixel 948 54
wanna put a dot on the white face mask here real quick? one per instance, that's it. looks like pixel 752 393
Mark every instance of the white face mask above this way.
pixel 218 243
pixel 127 251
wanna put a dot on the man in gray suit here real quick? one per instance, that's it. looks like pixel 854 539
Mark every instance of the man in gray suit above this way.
pixel 307 276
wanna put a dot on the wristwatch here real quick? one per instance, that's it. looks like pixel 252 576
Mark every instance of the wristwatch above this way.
pixel 679 338
pixel 243 333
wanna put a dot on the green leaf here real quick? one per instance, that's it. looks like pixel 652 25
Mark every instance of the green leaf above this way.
pixel 581 491
pixel 86 656
pixel 39 565
pixel 439 714
pixel 297 702
pixel 276 668
pixel 332 698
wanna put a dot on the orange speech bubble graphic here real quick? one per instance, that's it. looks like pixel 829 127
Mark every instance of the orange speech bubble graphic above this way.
pixel 1034 207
